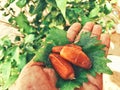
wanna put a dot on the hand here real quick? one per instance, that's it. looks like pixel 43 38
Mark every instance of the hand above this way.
pixel 35 77
pixel 73 34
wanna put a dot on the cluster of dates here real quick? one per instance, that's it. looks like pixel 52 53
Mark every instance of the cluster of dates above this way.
pixel 63 56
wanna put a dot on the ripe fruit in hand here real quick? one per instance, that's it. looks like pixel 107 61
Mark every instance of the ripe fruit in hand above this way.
pixel 62 56
pixel 62 67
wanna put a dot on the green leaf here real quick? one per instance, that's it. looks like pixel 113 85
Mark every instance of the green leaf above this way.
pixel 21 20
pixel 1 53
pixel 42 54
pixel 92 47
pixel 52 2
pixel 5 42
pixel 62 6
pixel 23 23
pixel 16 55
pixel 29 38
pixel 10 81
pixel 11 1
pixel 57 39
pixel 38 9
pixel 31 9
pixel 21 3
pixel 50 41
pixel 107 8
pixel 101 1
pixel 84 19
pixel 100 65
pixel 22 61
pixel 85 39
pixel 68 85
pixel 94 12
pixel 6 68
pixel 8 3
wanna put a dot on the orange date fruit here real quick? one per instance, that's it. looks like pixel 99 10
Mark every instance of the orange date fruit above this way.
pixel 76 56
pixel 62 67
pixel 57 49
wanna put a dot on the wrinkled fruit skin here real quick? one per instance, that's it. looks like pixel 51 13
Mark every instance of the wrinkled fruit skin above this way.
pixel 62 56
pixel 62 67
pixel 76 56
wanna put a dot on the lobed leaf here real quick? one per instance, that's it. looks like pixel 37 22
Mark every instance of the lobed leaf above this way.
pixel 23 23
pixel 6 68
pixel 21 3
pixel 90 45
pixel 94 12
pixel 50 41
pixel 62 6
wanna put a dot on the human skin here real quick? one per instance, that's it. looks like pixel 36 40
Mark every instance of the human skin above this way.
pixel 35 77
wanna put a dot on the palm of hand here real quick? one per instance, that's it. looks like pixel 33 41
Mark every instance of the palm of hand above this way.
pixel 35 77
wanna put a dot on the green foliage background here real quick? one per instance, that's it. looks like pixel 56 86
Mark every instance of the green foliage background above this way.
pixel 47 14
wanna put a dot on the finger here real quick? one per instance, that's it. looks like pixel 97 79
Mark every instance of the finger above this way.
pixel 86 28
pixel 97 30
pixel 89 86
pixel 97 81
pixel 51 75
pixel 105 38
pixel 73 31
